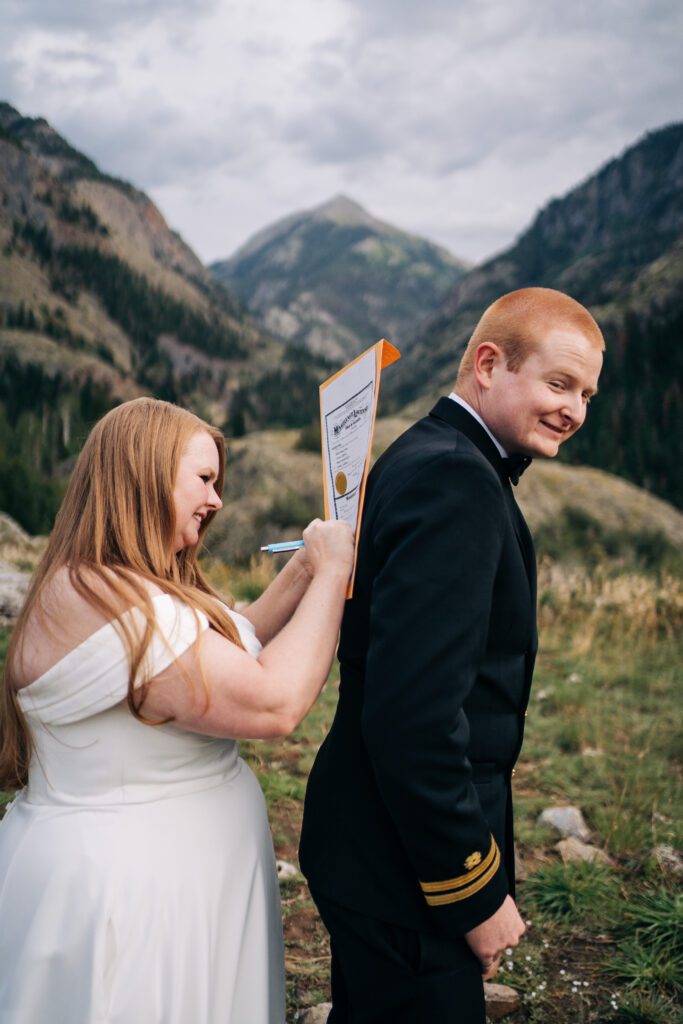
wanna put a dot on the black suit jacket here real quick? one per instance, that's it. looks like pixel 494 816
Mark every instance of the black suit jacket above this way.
pixel 408 814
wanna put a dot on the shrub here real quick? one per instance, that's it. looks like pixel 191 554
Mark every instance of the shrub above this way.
pixel 292 509
pixel 309 439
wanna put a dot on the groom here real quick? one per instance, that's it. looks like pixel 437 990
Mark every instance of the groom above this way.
pixel 407 836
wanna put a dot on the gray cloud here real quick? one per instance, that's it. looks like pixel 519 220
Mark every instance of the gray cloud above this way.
pixel 551 78
pixel 331 134
pixel 99 17
pixel 457 120
pixel 153 152
pixel 403 17
pixel 489 21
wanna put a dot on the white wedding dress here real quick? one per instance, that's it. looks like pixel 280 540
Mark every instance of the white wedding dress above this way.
pixel 137 875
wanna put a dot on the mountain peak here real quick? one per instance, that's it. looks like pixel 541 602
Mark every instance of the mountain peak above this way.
pixel 344 210
pixel 334 277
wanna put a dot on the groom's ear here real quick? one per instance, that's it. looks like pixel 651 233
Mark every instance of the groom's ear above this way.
pixel 487 356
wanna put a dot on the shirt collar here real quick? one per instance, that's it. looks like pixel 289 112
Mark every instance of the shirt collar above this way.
pixel 466 405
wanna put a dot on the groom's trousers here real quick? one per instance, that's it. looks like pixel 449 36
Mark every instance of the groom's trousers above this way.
pixel 384 974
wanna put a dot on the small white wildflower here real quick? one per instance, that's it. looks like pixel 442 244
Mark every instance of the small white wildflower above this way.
pixel 508 952
pixel 562 971
pixel 509 965
pixel 527 958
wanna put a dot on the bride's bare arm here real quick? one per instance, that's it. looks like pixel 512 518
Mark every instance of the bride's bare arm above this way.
pixel 269 695
pixel 276 605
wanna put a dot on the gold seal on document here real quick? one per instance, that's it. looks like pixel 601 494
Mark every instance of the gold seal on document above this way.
pixel 341 483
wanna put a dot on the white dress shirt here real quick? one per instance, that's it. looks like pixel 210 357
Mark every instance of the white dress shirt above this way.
pixel 466 405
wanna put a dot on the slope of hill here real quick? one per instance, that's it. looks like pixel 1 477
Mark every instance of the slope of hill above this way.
pixel 335 280
pixel 616 244
pixel 100 301
pixel 576 513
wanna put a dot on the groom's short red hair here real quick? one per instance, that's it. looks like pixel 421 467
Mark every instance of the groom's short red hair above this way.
pixel 516 322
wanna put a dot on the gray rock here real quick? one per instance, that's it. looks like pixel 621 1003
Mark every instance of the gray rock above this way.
pixel 285 870
pixel 501 1000
pixel 13 587
pixel 669 859
pixel 568 821
pixel 572 850
pixel 316 1014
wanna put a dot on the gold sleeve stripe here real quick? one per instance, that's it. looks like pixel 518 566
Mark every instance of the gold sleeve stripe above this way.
pixel 454 883
pixel 463 894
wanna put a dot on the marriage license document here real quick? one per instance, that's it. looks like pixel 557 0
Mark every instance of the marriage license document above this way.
pixel 348 407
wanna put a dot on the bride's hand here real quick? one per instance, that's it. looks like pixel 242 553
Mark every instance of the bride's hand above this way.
pixel 327 546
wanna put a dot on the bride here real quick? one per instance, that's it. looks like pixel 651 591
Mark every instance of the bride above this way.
pixel 137 875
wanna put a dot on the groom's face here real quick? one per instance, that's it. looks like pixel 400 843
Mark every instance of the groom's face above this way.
pixel 538 408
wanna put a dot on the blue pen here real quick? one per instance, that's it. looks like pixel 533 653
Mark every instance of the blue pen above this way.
pixel 286 545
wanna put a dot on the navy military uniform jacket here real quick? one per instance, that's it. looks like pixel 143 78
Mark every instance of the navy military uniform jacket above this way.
pixel 408 815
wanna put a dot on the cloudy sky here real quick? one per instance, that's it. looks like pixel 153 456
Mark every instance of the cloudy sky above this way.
pixel 453 120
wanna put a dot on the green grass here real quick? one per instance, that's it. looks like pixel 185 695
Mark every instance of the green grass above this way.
pixel 604 732
pixel 576 893
pixel 639 1010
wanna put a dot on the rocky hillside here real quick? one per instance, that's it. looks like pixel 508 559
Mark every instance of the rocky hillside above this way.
pixel 616 244
pixel 335 280
pixel 101 301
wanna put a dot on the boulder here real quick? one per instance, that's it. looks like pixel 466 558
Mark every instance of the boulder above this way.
pixel 285 870
pixel 568 821
pixel 501 1000
pixel 315 1014
pixel 572 850
pixel 669 859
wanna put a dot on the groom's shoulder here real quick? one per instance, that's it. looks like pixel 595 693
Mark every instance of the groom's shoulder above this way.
pixel 431 442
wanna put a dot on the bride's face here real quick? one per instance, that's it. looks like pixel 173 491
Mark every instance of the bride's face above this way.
pixel 194 494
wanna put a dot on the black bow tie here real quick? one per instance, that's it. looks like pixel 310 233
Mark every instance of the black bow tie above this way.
pixel 514 466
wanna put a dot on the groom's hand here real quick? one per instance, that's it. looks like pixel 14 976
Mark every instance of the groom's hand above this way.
pixel 489 940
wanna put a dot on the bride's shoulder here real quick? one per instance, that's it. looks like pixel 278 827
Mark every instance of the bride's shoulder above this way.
pixel 102 589
pixel 69 608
